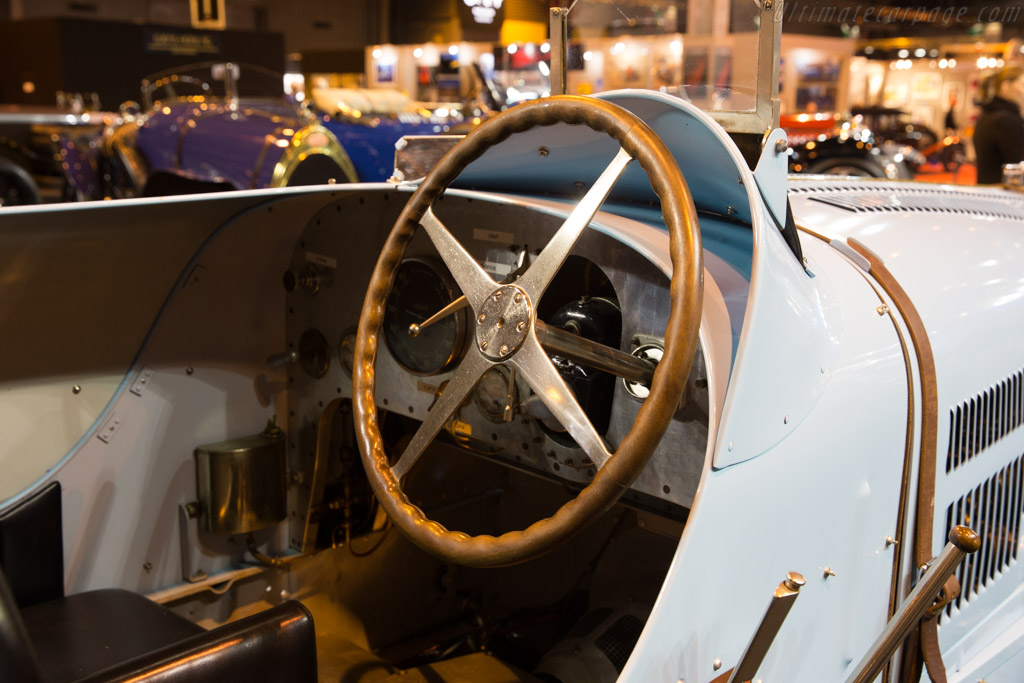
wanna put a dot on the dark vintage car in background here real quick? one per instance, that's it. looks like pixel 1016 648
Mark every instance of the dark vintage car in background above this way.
pixel 896 125
pixel 30 165
pixel 214 126
pixel 830 144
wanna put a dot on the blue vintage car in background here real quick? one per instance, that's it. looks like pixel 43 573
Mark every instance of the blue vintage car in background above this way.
pixel 214 126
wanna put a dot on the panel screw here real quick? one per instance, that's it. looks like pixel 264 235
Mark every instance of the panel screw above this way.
pixel 189 371
pixel 483 345
pixel 829 572
pixel 481 319
pixel 497 295
pixel 147 567
pixel 889 540
pixel 518 297
pixel 781 145
pixel 503 350
pixel 76 389
pixel 717 664
pixel 521 326
pixel 882 310
pixel 767 4
pixel 543 151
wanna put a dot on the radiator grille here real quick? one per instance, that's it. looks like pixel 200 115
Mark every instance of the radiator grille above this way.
pixel 993 510
pixel 984 419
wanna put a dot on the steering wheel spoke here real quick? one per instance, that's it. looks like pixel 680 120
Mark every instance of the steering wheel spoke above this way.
pixel 543 269
pixel 518 343
pixel 474 281
pixel 455 392
pixel 536 368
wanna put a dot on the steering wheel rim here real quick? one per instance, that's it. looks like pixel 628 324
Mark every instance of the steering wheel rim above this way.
pixel 616 474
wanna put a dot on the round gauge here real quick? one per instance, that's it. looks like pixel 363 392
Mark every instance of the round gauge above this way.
pixel 314 353
pixel 422 288
pixel 491 393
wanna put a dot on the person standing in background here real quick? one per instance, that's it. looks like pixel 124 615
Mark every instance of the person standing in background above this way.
pixel 950 122
pixel 999 133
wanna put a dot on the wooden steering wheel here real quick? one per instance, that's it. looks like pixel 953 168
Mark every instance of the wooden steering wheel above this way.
pixel 504 316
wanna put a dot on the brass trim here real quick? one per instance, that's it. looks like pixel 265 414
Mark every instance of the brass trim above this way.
pixel 120 144
pixel 908 446
pixel 925 511
pixel 929 399
pixel 305 143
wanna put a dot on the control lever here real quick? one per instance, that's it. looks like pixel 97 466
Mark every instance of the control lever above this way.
pixel 279 360
pixel 750 661
pixel 962 541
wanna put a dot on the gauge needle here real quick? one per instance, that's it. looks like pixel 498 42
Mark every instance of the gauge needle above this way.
pixel 510 397
pixel 414 329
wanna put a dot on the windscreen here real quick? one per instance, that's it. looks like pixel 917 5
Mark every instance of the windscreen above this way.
pixel 213 79
pixel 703 51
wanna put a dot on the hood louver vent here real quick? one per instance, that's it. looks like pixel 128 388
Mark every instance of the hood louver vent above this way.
pixel 993 509
pixel 899 198
pixel 982 420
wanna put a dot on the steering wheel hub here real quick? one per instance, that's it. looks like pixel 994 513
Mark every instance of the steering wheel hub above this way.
pixel 503 322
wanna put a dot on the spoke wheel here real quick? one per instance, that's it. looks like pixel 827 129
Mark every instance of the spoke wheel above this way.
pixel 506 333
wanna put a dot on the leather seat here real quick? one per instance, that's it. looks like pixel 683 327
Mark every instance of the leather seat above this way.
pixel 116 635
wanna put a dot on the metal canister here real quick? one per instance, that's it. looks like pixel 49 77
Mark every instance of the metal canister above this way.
pixel 242 483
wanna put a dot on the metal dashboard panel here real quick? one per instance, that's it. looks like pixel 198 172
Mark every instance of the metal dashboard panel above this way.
pixel 337 241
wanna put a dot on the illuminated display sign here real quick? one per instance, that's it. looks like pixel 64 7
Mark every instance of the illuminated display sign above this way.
pixel 481 19
pixel 484 11
pixel 181 42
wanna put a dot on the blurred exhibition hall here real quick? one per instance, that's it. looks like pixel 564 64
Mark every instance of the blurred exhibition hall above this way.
pixel 907 74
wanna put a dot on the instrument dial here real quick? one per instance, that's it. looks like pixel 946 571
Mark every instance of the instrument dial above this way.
pixel 422 288
pixel 491 393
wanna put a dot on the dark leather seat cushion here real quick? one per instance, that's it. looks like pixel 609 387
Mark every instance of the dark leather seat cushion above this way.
pixel 81 634
pixel 277 645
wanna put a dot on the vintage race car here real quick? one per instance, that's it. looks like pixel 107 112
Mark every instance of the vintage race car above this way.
pixel 896 125
pixel 30 169
pixel 605 396
pixel 215 126
pixel 828 144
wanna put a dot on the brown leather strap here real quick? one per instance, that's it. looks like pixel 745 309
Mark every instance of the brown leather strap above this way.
pixel 930 651
pixel 929 438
